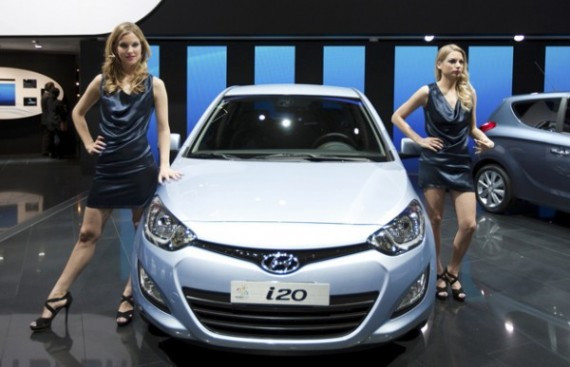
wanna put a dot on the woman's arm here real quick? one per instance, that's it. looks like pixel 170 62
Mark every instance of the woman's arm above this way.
pixel 418 99
pixel 482 142
pixel 87 100
pixel 161 109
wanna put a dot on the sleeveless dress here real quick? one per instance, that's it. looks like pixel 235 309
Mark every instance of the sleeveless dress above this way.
pixel 125 173
pixel 450 167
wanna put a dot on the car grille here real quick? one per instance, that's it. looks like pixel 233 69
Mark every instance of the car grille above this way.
pixel 305 256
pixel 344 314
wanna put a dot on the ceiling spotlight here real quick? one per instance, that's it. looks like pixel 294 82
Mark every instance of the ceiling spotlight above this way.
pixel 429 37
pixel 519 37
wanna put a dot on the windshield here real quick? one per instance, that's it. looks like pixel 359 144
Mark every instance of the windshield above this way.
pixel 289 128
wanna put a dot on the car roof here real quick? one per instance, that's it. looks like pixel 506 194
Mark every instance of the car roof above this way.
pixel 292 89
pixel 530 96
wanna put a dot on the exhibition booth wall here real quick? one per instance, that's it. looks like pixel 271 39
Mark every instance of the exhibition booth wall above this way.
pixel 20 128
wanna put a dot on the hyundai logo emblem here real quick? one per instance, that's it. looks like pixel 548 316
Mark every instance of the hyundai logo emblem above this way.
pixel 280 263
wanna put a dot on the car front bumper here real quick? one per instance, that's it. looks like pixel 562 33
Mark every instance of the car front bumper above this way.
pixel 387 279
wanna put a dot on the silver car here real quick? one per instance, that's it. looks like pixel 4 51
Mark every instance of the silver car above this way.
pixel 531 158
pixel 294 228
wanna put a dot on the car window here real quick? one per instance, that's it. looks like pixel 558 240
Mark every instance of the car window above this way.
pixel 261 126
pixel 538 113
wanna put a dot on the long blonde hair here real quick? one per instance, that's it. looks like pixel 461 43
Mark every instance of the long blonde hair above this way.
pixel 112 70
pixel 465 92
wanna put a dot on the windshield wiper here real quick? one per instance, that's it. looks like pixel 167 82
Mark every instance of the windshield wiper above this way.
pixel 212 155
pixel 313 157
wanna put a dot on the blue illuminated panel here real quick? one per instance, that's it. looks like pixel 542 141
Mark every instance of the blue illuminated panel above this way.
pixel 491 74
pixel 344 66
pixel 413 67
pixel 154 68
pixel 207 70
pixel 556 69
pixel 7 93
pixel 274 64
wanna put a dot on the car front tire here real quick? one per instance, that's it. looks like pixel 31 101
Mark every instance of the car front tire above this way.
pixel 493 188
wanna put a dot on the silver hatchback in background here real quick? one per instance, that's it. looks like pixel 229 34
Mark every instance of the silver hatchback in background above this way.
pixel 531 158
pixel 294 228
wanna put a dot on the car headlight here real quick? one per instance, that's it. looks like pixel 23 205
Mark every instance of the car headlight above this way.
pixel 164 230
pixel 402 233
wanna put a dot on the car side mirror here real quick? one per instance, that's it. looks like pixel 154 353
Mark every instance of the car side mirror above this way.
pixel 175 142
pixel 409 148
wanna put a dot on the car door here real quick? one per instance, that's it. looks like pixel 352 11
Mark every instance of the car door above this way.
pixel 557 167
pixel 543 152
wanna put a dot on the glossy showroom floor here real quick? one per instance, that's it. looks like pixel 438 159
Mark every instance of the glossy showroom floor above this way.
pixel 516 274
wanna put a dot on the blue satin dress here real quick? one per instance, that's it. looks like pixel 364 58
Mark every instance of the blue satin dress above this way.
pixel 450 167
pixel 125 173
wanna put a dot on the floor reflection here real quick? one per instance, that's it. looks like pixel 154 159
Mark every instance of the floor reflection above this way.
pixel 16 207
pixel 31 185
pixel 57 347
pixel 516 275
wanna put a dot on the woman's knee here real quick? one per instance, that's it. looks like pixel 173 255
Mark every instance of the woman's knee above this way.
pixel 88 235
pixel 468 226
pixel 435 220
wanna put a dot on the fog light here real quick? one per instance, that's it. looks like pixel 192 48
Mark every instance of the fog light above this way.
pixel 414 295
pixel 150 291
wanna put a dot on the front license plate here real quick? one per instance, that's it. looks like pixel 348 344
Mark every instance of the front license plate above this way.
pixel 277 293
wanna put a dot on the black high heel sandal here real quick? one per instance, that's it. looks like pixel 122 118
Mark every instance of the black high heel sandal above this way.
pixel 458 294
pixel 43 323
pixel 127 315
pixel 440 290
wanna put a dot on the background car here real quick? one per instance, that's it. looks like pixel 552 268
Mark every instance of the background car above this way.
pixel 531 158
pixel 294 228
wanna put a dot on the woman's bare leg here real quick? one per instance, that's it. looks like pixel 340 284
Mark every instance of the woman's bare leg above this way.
pixel 434 200
pixel 128 290
pixel 93 221
pixel 466 211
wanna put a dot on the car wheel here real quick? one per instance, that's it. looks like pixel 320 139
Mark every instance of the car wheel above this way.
pixel 494 190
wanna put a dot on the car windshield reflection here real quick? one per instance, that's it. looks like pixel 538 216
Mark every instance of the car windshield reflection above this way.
pixel 311 128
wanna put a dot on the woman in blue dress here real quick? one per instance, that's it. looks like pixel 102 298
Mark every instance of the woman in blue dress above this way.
pixel 126 175
pixel 445 164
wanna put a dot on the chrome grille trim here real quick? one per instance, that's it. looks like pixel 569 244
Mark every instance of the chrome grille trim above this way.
pixel 305 257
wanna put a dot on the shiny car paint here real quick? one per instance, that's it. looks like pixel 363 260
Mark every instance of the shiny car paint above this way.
pixel 321 214
pixel 531 158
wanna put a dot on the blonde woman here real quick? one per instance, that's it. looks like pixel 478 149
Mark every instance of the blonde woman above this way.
pixel 126 174
pixel 445 166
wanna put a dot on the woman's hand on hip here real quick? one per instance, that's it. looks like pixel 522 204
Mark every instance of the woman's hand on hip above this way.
pixel 431 143
pixel 96 147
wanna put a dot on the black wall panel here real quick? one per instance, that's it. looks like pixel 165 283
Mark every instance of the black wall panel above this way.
pixel 173 73
pixel 356 18
pixel 528 67
pixel 309 63
pixel 240 63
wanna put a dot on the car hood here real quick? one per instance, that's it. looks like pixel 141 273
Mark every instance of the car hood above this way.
pixel 287 192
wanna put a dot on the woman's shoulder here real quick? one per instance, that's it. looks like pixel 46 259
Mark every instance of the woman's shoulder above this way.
pixel 157 84
pixel 425 89
pixel 156 81
pixel 423 93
